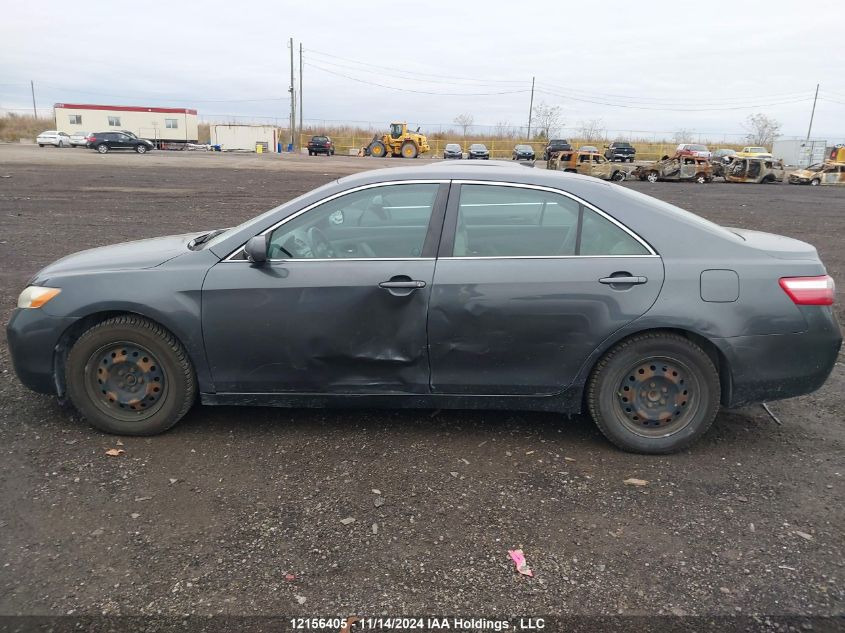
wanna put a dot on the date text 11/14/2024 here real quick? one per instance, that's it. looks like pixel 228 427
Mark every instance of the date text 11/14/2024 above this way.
pixel 346 625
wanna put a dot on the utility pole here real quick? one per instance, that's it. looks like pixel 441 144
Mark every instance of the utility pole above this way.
pixel 813 113
pixel 292 101
pixel 300 91
pixel 530 110
pixel 32 87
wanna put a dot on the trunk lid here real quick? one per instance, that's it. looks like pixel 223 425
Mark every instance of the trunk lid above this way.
pixel 778 246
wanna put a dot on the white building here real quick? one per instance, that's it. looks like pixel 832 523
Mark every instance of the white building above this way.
pixel 177 125
pixel 245 137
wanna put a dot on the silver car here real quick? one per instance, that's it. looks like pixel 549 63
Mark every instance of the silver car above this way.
pixel 53 137
pixel 79 139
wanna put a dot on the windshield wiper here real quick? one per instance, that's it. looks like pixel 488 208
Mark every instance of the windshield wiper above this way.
pixel 202 239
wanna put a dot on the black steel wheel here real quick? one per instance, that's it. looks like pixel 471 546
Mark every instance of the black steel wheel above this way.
pixel 130 376
pixel 654 393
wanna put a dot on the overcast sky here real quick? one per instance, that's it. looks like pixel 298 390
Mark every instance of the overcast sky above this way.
pixel 644 65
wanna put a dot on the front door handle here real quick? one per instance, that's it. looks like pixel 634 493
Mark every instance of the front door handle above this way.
pixel 623 280
pixel 413 284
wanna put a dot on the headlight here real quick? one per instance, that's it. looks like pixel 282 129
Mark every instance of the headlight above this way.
pixel 36 296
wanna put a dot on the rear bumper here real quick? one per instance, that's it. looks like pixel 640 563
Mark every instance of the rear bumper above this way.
pixel 777 366
pixel 32 337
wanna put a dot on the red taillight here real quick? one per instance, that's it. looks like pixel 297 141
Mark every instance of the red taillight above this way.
pixel 91 139
pixel 809 291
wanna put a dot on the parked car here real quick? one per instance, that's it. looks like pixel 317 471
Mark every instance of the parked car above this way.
pixel 591 149
pixel 556 145
pixel 678 167
pixel 754 152
pixel 530 289
pixel 54 138
pixel 104 142
pixel 620 150
pixel 79 139
pixel 588 164
pixel 693 149
pixel 453 150
pixel 819 174
pixel 719 159
pixel 320 145
pixel 523 152
pixel 756 170
pixel 478 150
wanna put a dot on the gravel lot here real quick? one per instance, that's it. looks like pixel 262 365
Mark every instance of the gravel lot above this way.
pixel 239 511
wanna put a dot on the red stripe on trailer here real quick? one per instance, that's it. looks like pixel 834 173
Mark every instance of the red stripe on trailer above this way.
pixel 113 108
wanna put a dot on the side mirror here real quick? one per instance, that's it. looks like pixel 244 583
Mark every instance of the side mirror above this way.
pixel 256 249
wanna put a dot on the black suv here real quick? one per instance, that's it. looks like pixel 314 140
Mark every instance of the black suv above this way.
pixel 556 145
pixel 620 150
pixel 105 141
pixel 320 145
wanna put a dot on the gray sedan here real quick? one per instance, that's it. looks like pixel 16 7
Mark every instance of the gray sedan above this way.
pixel 439 286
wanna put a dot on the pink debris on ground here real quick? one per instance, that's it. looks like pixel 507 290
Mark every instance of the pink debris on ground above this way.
pixel 520 562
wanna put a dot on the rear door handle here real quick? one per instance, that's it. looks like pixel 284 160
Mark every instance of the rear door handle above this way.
pixel 626 281
pixel 412 284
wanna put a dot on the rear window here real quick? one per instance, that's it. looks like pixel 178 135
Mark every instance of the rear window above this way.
pixel 320 138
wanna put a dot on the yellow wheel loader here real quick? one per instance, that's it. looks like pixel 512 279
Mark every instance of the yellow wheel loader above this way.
pixel 399 142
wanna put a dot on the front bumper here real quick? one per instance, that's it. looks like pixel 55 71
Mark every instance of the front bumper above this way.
pixel 32 337
pixel 777 366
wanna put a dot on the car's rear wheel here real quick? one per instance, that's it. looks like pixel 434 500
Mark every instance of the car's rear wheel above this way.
pixel 141 149
pixel 130 376
pixel 700 179
pixel 654 393
pixel 618 176
pixel 41 145
pixel 652 176
pixel 815 182
pixel 102 148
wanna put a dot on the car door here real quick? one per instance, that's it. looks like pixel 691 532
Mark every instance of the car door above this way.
pixel 524 290
pixel 340 307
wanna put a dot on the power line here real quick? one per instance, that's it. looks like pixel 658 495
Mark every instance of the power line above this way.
pixel 424 92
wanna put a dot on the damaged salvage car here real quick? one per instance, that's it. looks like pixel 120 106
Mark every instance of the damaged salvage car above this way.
pixel 756 170
pixel 440 286
pixel 588 164
pixel 819 174
pixel 678 167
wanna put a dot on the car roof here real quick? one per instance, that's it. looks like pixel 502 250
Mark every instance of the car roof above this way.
pixel 493 170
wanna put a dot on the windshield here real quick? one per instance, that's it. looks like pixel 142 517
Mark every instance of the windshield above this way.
pixel 623 144
pixel 523 148
pixel 690 217
pixel 477 146
pixel 453 147
pixel 698 148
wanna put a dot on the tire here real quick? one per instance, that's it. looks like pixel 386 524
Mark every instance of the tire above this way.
pixel 41 145
pixel 652 176
pixel 163 385
pixel 378 149
pixel 409 150
pixel 671 405
pixel 310 153
pixel 618 176
pixel 701 178
pixel 141 149
pixel 102 148
pixel 815 182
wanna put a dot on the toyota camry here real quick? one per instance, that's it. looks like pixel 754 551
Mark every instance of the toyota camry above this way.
pixel 439 286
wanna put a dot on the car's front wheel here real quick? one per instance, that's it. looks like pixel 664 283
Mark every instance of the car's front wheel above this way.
pixel 141 149
pixel 654 393
pixel 130 376
pixel 815 182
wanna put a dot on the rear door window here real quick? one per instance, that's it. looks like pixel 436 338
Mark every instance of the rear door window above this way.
pixel 501 221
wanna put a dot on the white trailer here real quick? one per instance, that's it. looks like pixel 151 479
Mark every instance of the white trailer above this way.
pixel 162 125
pixel 799 152
pixel 245 137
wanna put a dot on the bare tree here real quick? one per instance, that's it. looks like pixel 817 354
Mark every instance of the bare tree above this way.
pixel 464 121
pixel 503 129
pixel 762 130
pixel 592 130
pixel 547 118
pixel 683 136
